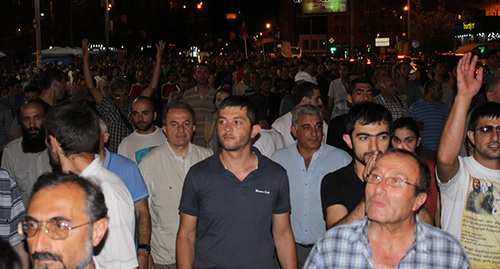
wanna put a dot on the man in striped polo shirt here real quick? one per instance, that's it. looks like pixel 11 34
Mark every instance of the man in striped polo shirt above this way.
pixel 431 114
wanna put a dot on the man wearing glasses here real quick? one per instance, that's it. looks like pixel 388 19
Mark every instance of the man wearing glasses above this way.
pixel 67 218
pixel 391 235
pixel 479 173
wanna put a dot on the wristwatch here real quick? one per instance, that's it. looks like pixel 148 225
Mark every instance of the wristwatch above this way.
pixel 145 247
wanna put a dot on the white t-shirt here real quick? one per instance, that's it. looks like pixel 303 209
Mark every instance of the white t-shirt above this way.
pixel 136 145
pixel 471 210
pixel 268 142
pixel 338 92
pixel 119 248
pixel 283 125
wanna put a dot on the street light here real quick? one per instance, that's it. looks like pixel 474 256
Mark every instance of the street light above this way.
pixel 199 5
pixel 268 25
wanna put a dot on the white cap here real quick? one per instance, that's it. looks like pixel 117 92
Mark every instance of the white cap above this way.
pixel 305 76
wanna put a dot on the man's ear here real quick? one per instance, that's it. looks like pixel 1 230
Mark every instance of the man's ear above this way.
pixel 105 137
pixel 347 140
pixel 164 129
pixel 421 198
pixel 53 144
pixel 293 130
pixel 255 131
pixel 349 98
pixel 99 229
pixel 154 116
pixel 471 136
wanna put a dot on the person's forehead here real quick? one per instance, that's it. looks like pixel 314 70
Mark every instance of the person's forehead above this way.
pixel 66 200
pixel 179 113
pixel 488 121
pixel 31 108
pixel 233 111
pixel 372 128
pixel 398 163
pixel 309 119
pixel 363 86
pixel 141 105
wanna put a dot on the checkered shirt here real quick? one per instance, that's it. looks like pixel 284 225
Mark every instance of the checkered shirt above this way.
pixel 398 108
pixel 347 246
pixel 12 209
pixel 116 127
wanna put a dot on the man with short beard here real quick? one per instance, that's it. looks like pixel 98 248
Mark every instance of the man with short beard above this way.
pixel 66 219
pixel 26 158
pixel 368 132
pixel 146 136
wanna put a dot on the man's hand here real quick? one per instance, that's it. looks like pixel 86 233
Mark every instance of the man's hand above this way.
pixel 160 47
pixel 85 49
pixel 370 164
pixel 468 85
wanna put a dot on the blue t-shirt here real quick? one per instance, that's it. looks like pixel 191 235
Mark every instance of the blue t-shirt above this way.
pixel 234 217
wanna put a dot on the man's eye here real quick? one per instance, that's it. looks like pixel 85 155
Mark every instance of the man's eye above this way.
pixel 383 137
pixel 396 140
pixel 363 138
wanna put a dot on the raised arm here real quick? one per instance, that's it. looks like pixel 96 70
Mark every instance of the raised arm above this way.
pixel 451 137
pixel 96 94
pixel 153 86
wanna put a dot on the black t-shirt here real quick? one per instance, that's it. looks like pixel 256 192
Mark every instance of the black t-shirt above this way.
pixel 274 102
pixel 342 187
pixel 284 86
pixel 336 131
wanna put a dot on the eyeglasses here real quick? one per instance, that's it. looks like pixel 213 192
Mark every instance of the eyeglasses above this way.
pixel 56 229
pixel 487 131
pixel 391 181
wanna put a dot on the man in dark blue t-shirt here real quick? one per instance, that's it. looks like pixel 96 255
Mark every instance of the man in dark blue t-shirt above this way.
pixel 235 205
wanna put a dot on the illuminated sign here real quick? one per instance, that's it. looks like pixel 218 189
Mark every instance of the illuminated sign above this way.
pixel 382 42
pixel 469 26
pixel 323 6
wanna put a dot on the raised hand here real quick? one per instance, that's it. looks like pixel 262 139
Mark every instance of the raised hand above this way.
pixel 85 49
pixel 468 85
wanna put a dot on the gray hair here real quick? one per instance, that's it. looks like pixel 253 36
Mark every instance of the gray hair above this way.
pixel 304 110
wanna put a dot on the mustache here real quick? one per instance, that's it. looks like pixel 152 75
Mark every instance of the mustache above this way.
pixel 46 256
pixel 367 154
pixel 33 129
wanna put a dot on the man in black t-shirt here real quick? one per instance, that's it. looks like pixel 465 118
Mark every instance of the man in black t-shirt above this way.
pixel 368 128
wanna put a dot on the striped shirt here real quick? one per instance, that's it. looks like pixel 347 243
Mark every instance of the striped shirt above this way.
pixel 12 209
pixel 203 107
pixel 25 168
pixel 434 117
pixel 347 246
pixel 118 130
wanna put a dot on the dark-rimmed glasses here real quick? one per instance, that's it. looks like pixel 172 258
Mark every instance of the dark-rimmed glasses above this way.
pixel 391 181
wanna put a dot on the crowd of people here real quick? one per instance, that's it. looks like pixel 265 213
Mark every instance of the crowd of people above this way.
pixel 251 163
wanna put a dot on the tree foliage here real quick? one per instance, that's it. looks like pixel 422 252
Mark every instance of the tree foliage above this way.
pixel 432 28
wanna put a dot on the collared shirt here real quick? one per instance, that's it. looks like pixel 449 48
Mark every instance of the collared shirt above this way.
pixel 119 249
pixel 12 210
pixel 25 168
pixel 397 107
pixel 347 246
pixel 117 127
pixel 305 184
pixel 184 163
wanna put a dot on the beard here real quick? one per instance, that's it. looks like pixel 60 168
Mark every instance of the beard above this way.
pixel 362 158
pixel 145 127
pixel 33 143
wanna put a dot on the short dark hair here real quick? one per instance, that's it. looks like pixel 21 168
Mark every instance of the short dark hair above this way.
pixel 266 78
pixel 221 90
pixel 177 105
pixel 305 89
pixel 361 80
pixel 488 110
pixel 50 75
pixel 75 127
pixel 367 113
pixel 243 102
pixel 407 123
pixel 95 205
pixel 262 105
pixel 32 88
pixel 142 97
pixel 430 84
pixel 424 177
pixel 119 83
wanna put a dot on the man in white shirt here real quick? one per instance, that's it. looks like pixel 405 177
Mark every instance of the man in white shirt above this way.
pixel 72 132
pixel 164 169
pixel 146 135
